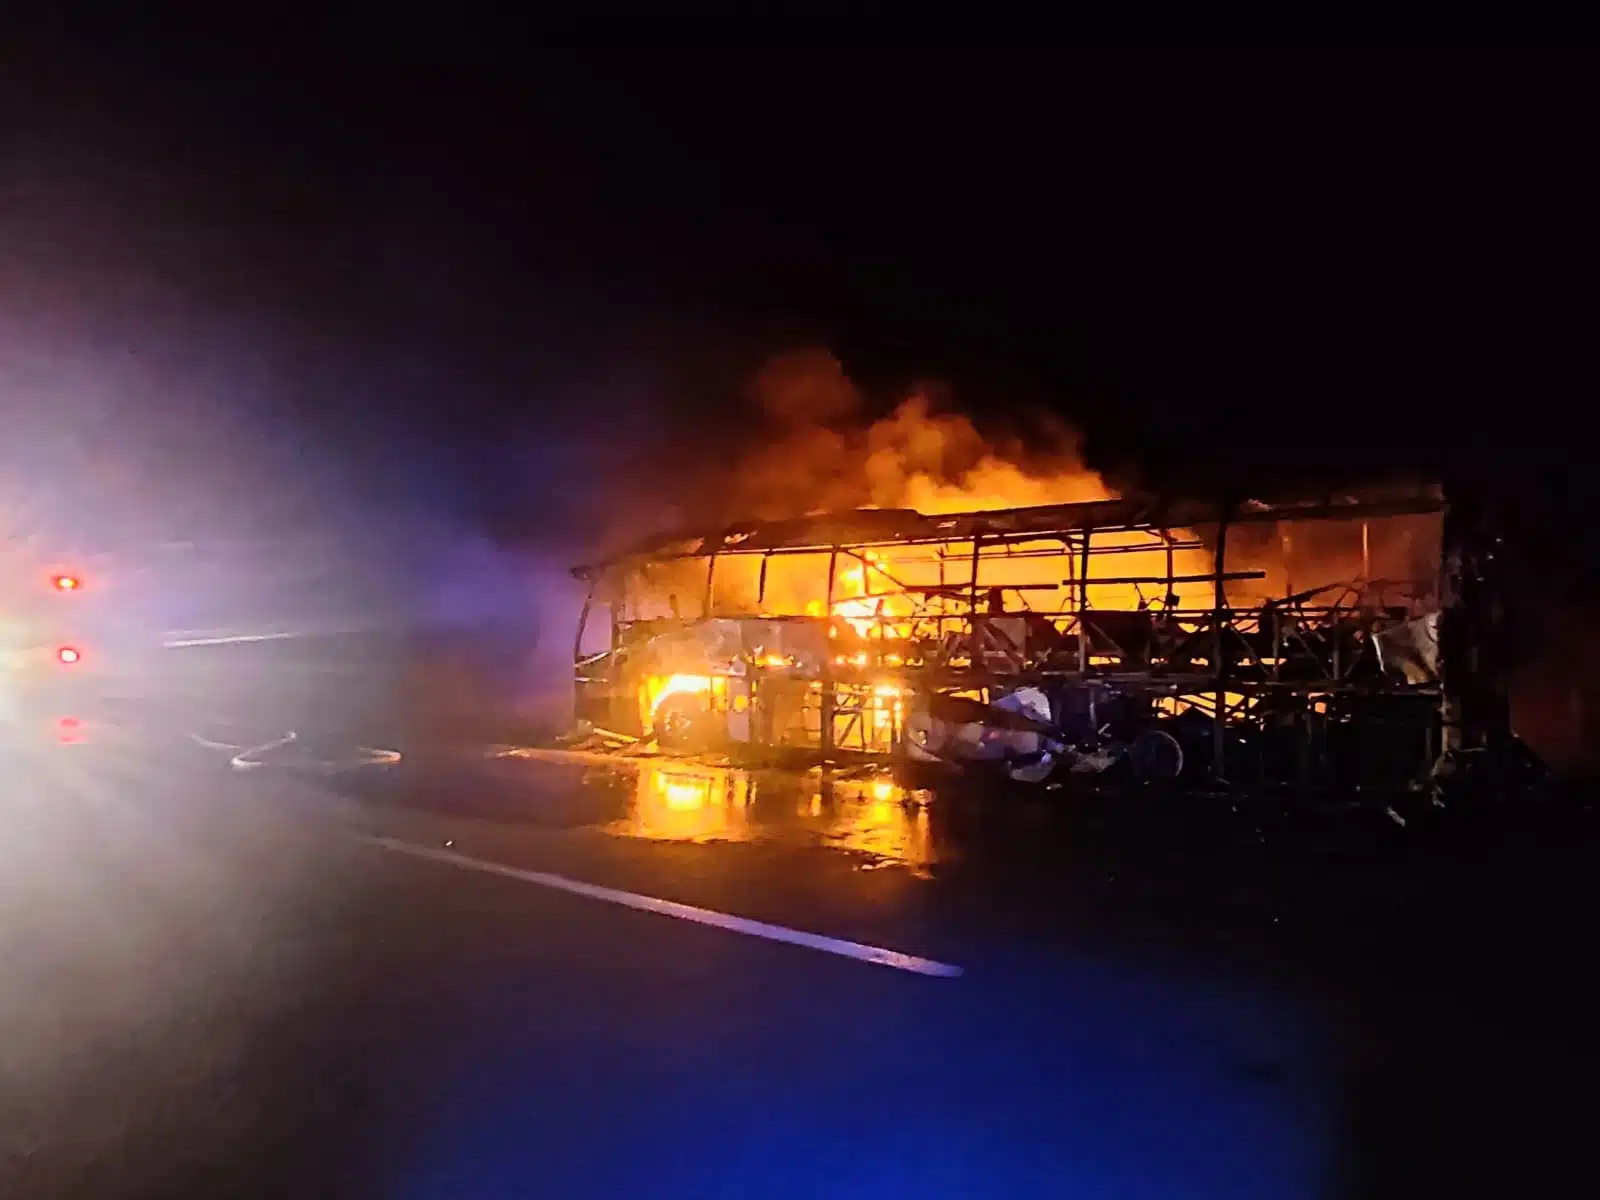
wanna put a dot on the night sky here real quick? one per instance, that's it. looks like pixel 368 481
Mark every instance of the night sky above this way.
pixel 454 273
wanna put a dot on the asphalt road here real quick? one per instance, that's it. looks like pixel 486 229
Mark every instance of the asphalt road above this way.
pixel 233 983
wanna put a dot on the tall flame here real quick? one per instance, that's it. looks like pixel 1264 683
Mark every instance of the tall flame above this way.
pixel 825 456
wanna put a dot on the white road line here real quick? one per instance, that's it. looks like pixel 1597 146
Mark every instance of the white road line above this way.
pixel 683 912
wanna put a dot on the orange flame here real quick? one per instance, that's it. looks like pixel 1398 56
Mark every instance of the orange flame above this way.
pixel 824 455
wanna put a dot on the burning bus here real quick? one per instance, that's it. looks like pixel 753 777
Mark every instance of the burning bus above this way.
pixel 1289 643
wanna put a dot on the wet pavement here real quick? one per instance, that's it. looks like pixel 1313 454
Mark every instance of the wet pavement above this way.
pixel 223 982
pixel 861 813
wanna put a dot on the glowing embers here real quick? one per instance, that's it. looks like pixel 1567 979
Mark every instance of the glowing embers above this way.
pixel 685 712
pixel 658 689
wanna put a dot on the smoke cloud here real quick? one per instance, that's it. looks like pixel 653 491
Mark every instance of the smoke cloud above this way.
pixel 820 449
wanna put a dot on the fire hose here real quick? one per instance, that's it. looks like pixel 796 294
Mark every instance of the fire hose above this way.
pixel 252 757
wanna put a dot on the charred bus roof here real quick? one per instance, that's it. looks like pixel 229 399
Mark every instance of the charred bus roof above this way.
pixel 902 526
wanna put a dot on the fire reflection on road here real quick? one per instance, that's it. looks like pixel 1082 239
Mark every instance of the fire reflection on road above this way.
pixel 685 803
pixel 874 818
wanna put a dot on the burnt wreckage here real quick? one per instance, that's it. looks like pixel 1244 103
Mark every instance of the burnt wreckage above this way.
pixel 1351 642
